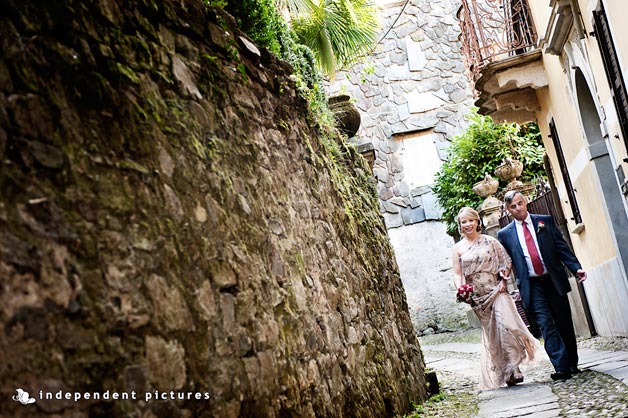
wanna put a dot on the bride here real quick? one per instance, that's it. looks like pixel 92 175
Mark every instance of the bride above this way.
pixel 481 261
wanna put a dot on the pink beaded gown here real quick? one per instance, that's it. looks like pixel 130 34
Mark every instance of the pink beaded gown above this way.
pixel 506 341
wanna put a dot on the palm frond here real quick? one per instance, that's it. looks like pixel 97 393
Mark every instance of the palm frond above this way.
pixel 337 31
pixel 296 7
pixel 347 5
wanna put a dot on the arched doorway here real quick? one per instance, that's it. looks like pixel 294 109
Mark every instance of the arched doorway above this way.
pixel 599 155
pixel 606 297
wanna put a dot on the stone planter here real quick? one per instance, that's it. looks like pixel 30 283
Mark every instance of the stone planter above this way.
pixel 489 209
pixel 347 115
pixel 509 170
pixel 486 187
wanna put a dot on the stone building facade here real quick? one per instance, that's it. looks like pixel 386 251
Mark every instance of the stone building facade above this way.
pixel 568 75
pixel 413 94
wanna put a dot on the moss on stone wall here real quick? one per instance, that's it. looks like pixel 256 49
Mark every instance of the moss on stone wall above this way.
pixel 168 224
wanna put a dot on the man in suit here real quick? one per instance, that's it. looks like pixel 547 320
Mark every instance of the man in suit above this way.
pixel 539 255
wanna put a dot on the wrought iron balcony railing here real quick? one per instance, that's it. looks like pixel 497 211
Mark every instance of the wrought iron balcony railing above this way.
pixel 492 30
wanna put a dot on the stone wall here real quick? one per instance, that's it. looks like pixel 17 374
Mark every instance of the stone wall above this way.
pixel 172 224
pixel 431 290
pixel 415 81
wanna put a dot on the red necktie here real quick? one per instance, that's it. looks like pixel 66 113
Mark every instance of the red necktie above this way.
pixel 534 253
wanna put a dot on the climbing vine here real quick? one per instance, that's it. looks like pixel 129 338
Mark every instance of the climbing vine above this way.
pixel 261 21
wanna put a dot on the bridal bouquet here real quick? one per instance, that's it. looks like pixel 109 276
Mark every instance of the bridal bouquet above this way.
pixel 465 294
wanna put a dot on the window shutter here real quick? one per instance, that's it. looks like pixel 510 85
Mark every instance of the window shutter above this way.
pixel 613 70
pixel 577 218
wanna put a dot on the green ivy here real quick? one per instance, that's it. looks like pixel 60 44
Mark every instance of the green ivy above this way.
pixel 478 150
pixel 216 3
pixel 260 20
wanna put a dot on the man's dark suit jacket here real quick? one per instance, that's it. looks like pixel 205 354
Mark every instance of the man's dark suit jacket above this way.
pixel 553 249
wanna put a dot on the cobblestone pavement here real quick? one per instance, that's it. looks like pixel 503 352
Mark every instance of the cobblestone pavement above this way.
pixel 601 390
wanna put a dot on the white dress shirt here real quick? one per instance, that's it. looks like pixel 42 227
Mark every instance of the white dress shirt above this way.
pixel 524 247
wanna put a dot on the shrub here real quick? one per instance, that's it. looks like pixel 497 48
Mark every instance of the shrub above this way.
pixel 478 150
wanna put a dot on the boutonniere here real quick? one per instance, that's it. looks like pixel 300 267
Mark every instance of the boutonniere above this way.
pixel 540 227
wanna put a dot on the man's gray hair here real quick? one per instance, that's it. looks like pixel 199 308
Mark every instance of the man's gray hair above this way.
pixel 511 195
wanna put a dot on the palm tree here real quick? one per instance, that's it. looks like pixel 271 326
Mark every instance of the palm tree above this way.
pixel 337 31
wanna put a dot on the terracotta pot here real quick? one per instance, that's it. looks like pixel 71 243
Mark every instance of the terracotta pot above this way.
pixel 347 115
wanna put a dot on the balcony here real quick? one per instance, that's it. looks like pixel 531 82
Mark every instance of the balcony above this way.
pixel 503 60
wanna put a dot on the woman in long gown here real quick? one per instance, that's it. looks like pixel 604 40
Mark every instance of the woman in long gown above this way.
pixel 482 261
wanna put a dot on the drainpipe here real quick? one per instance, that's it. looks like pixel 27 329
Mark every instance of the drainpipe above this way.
pixel 575 10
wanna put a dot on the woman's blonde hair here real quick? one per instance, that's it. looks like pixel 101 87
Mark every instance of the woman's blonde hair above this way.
pixel 468 212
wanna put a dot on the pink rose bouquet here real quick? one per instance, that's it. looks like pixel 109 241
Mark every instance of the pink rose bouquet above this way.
pixel 465 294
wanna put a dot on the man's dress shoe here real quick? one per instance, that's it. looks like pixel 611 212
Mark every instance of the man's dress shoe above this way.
pixel 561 376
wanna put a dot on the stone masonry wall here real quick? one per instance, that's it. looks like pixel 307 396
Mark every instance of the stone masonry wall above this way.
pixel 415 80
pixel 171 223
pixel 423 253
